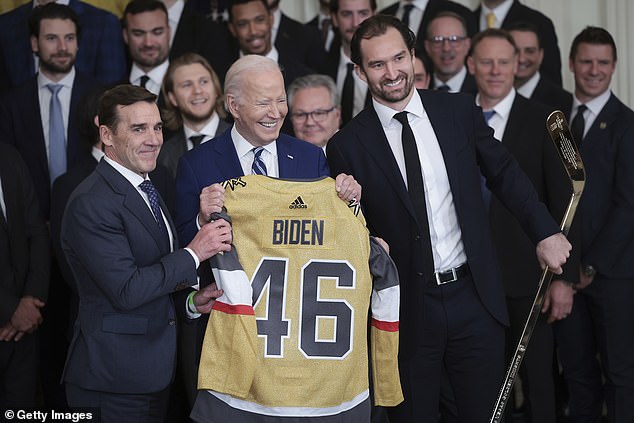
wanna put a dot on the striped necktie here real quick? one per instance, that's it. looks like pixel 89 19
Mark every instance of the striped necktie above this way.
pixel 258 167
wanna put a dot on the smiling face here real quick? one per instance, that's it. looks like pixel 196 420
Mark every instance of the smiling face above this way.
pixel 56 46
pixel 593 67
pixel 251 24
pixel 259 108
pixel 388 69
pixel 448 56
pixel 493 65
pixel 193 93
pixel 315 130
pixel 350 14
pixel 136 141
pixel 147 35
pixel 530 55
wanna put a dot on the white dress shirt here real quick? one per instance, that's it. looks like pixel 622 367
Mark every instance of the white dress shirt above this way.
pixel 500 13
pixel 173 18
pixel 415 15
pixel 64 96
pixel 209 131
pixel 156 75
pixel 594 108
pixel 455 82
pixel 529 86
pixel 245 153
pixel 444 229
pixel 502 111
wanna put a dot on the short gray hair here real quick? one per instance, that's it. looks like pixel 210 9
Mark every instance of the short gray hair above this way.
pixel 234 80
pixel 314 80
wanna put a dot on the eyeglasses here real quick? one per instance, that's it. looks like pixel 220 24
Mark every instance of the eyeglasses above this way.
pixel 439 40
pixel 318 115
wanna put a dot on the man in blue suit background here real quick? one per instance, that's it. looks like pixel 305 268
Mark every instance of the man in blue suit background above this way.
pixel 419 156
pixel 256 98
pixel 121 245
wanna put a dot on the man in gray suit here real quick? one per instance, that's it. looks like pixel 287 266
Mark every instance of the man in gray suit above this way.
pixel 121 245
pixel 193 107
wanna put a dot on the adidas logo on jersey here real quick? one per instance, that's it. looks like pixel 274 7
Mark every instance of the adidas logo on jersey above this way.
pixel 298 203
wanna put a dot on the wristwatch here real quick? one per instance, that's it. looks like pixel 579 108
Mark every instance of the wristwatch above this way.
pixel 588 270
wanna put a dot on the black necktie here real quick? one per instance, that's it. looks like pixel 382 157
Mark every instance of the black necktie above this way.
pixel 444 87
pixel 579 125
pixel 347 96
pixel 144 80
pixel 416 189
pixel 407 9
pixel 196 140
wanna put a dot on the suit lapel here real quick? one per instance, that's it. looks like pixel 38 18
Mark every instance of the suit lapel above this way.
pixel 286 157
pixel 33 119
pixel 514 126
pixel 596 135
pixel 134 203
pixel 382 154
pixel 228 162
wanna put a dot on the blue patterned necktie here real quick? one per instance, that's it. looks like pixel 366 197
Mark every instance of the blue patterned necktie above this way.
pixel 486 192
pixel 258 167
pixel 152 194
pixel 56 135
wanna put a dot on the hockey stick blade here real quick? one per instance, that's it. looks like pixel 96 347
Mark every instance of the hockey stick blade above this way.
pixel 571 159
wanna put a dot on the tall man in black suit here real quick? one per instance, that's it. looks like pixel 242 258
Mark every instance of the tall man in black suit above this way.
pixel 418 14
pixel 602 317
pixel 453 314
pixel 39 117
pixel 520 125
pixel 250 23
pixel 447 44
pixel 24 260
pixel 194 109
pixel 529 82
pixel 504 13
pixel 121 245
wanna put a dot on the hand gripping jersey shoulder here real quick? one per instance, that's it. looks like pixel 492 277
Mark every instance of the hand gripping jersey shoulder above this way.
pixel 289 335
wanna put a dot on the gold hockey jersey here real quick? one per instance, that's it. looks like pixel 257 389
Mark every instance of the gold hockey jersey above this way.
pixel 289 335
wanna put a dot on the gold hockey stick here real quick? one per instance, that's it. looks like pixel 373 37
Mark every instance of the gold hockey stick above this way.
pixel 569 155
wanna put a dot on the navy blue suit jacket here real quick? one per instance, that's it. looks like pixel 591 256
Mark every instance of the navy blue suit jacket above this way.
pixel 21 125
pixel 216 161
pixel 608 198
pixel 101 49
pixel 124 338
pixel 468 148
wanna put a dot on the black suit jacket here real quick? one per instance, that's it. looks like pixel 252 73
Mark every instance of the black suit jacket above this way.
pixel 301 42
pixel 469 149
pixel 551 66
pixel 552 95
pixel 525 136
pixel 433 8
pixel 176 146
pixel 607 220
pixel 21 126
pixel 24 245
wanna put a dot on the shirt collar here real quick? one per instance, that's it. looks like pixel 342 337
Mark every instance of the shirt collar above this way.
pixel 134 178
pixel 96 153
pixel 596 104
pixel 273 54
pixel 209 130
pixel 503 108
pixel 455 82
pixel 529 86
pixel 156 74
pixel 62 2
pixel 386 114
pixel 66 81
pixel 499 11
pixel 243 147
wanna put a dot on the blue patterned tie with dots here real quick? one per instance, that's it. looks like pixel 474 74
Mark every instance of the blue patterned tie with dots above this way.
pixel 152 194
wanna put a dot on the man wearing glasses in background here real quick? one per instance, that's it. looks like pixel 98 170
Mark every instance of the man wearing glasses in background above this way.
pixel 315 112
pixel 447 45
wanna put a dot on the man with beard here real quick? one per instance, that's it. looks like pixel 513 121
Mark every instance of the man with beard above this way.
pixel 419 156
pixel 39 118
pixel 147 34
pixel 447 45
pixel 193 107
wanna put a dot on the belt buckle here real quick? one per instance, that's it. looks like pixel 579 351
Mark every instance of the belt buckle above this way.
pixel 454 276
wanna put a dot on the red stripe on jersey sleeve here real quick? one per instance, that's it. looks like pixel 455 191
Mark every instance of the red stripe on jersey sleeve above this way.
pixel 385 326
pixel 233 309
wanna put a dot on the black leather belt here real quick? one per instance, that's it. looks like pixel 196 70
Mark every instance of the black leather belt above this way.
pixel 452 275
